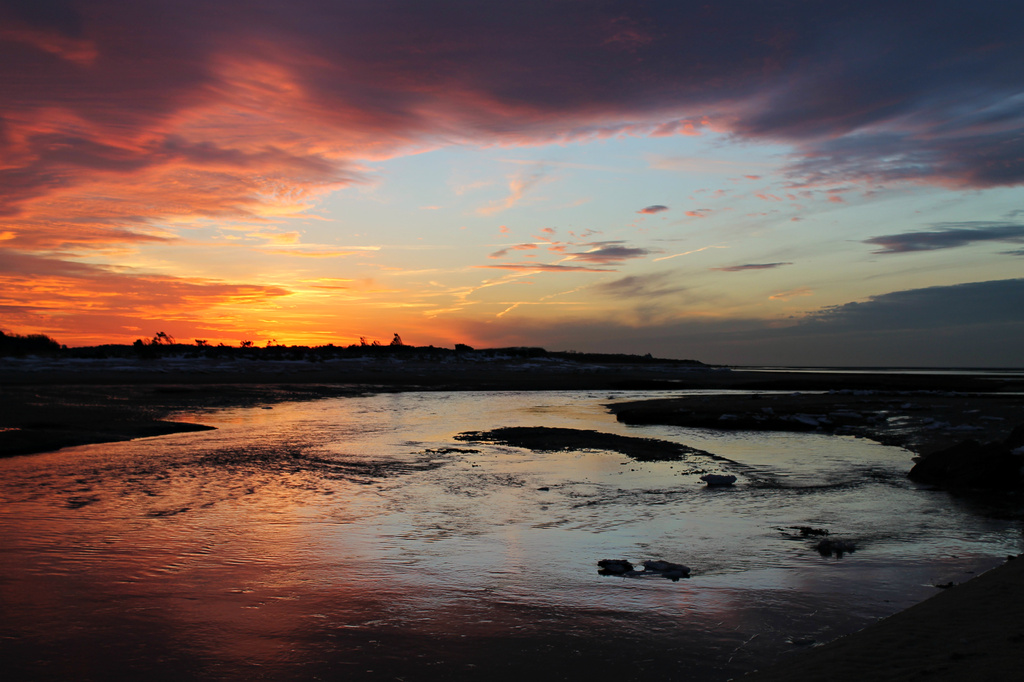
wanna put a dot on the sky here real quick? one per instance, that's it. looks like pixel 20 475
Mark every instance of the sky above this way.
pixel 739 182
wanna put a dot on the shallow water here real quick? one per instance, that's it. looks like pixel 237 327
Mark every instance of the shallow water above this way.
pixel 354 538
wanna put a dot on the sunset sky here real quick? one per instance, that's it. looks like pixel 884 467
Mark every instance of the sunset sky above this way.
pixel 735 182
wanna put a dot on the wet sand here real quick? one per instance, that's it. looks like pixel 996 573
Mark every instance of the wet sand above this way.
pixel 971 631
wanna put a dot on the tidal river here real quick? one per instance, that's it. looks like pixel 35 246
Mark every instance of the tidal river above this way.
pixel 356 538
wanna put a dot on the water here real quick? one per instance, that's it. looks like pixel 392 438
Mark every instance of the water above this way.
pixel 355 539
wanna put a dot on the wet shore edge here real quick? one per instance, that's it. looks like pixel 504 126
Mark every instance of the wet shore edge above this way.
pixel 971 631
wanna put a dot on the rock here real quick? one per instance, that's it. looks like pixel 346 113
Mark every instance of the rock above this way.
pixel 667 569
pixel 830 546
pixel 657 568
pixel 718 480
pixel 614 567
pixel 973 465
pixel 807 531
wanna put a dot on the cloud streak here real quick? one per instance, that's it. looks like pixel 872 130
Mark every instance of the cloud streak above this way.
pixel 751 266
pixel 948 236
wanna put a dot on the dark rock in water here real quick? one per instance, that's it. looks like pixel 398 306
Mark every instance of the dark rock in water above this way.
pixel 1016 438
pixel 807 531
pixel 664 569
pixel 830 546
pixel 614 567
pixel 718 480
pixel 667 569
pixel 801 641
pixel 973 465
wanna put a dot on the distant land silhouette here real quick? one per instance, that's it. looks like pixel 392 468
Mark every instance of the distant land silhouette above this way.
pixel 164 345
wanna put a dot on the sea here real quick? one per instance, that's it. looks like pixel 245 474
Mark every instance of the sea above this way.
pixel 358 538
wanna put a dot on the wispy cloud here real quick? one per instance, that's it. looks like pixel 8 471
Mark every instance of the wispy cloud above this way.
pixel 517 247
pixel 641 286
pixel 655 208
pixel 687 253
pixel 792 293
pixel 518 186
pixel 544 267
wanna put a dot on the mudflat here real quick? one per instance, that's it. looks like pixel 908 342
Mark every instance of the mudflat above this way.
pixel 63 404
pixel 971 631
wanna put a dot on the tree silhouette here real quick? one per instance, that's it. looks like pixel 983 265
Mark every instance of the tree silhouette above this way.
pixel 245 344
pixel 163 339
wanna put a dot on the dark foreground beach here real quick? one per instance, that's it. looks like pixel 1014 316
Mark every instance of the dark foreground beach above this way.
pixel 968 631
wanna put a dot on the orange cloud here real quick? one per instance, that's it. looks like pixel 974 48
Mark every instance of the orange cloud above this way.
pixel 792 293
pixel 65 297
pixel 518 247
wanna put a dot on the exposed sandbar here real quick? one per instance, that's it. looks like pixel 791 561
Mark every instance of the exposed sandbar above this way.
pixel 552 439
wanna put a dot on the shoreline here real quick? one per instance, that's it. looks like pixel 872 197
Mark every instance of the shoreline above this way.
pixel 48 406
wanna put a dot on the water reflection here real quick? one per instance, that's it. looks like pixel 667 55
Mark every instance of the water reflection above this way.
pixel 355 538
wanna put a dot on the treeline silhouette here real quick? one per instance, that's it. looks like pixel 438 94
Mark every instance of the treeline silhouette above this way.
pixel 164 345
pixel 31 344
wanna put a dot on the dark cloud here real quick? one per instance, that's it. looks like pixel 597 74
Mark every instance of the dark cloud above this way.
pixel 543 267
pixel 978 324
pixel 641 286
pixel 948 236
pixel 930 93
pixel 609 252
pixel 656 208
pixel 930 308
pixel 751 266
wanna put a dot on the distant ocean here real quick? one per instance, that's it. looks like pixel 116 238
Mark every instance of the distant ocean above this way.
pixel 1009 372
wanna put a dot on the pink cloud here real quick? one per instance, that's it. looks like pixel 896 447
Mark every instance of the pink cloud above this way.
pixel 518 247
